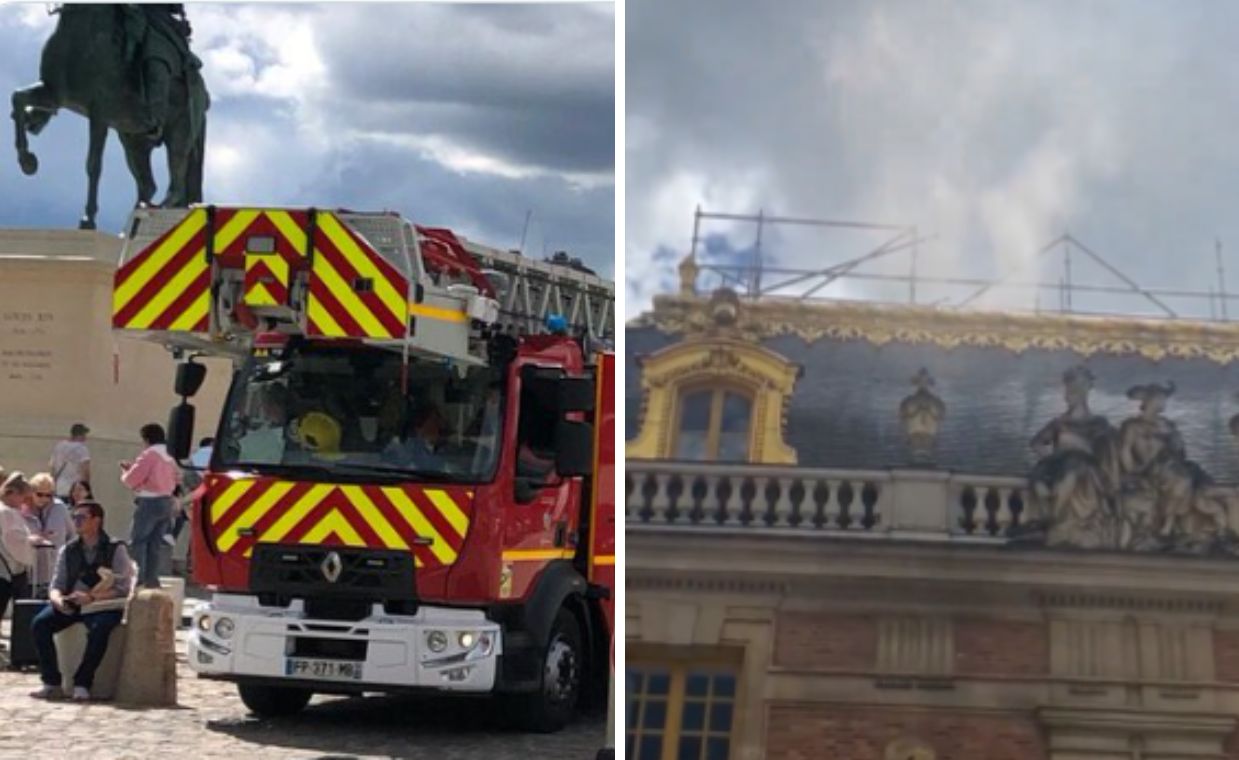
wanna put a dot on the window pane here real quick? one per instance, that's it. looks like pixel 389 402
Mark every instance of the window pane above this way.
pixel 634 682
pixel 631 717
pixel 736 412
pixel 724 685
pixel 695 411
pixel 690 748
pixel 628 748
pixel 694 716
pixel 697 684
pixel 733 447
pixel 694 425
pixel 651 748
pixel 717 749
pixel 658 682
pixel 654 716
pixel 691 446
pixel 720 716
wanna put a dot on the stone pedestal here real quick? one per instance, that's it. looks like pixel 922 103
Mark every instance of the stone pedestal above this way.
pixel 148 673
pixel 61 363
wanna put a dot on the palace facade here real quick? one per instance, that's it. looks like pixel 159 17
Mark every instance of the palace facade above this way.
pixel 877 532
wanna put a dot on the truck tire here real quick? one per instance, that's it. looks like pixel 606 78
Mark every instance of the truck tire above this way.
pixel 563 666
pixel 274 701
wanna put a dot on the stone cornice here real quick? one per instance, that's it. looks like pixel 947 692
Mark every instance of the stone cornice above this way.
pixel 881 324
pixel 1140 720
pixel 984 575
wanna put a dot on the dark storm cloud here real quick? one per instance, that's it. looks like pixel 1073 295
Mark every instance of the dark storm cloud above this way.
pixel 532 84
pixel 994 126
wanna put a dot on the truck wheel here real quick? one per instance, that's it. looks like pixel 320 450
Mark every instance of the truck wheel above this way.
pixel 274 701
pixel 551 707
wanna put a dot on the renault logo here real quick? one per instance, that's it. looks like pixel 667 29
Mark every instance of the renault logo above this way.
pixel 331 567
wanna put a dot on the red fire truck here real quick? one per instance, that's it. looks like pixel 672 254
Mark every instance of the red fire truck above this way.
pixel 412 483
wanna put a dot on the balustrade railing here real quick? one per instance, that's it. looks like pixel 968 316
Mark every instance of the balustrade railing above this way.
pixel 714 495
pixel 662 494
pixel 988 506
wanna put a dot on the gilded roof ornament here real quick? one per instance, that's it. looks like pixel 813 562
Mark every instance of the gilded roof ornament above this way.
pixel 882 324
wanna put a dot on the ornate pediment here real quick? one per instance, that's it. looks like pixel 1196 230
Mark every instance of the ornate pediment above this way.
pixel 719 359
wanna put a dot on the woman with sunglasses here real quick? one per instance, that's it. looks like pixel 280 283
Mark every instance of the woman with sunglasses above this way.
pixel 51 513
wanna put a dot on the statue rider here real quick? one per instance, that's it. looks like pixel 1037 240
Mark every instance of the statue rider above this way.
pixel 159 35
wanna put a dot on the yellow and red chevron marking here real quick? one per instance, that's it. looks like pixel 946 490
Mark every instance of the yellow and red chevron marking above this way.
pixel 267 274
pixel 432 522
pixel 336 308
pixel 266 280
pixel 167 286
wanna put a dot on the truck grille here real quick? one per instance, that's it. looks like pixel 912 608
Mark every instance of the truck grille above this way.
pixel 362 575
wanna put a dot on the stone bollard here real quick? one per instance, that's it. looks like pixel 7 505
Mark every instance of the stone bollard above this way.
pixel 148 673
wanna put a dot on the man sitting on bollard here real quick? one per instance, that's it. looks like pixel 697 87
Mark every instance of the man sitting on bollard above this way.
pixel 91 568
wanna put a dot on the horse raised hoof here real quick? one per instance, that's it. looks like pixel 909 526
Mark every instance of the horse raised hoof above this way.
pixel 86 223
pixel 29 163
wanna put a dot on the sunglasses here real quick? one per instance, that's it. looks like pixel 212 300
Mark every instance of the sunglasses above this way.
pixel 80 518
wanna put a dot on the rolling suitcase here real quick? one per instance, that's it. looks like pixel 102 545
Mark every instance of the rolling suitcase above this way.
pixel 22 653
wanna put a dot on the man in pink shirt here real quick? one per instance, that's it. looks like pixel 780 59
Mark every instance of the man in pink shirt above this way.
pixel 153 478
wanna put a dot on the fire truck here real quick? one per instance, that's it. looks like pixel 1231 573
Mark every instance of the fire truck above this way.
pixel 412 481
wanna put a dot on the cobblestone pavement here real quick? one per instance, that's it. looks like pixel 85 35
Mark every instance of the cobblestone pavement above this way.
pixel 211 722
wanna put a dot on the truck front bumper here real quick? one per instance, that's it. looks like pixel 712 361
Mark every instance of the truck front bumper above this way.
pixel 437 648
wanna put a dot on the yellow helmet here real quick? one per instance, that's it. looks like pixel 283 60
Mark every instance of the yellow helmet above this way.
pixel 318 432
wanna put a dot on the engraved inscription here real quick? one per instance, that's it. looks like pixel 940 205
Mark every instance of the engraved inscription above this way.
pixel 25 337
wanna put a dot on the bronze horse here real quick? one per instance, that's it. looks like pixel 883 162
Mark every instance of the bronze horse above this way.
pixel 87 66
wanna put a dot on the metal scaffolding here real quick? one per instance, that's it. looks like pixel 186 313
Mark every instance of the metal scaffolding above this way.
pixel 758 279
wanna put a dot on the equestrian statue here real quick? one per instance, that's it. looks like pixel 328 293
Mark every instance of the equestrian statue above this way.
pixel 128 68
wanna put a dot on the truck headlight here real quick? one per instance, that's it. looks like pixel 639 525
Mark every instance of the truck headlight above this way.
pixel 224 628
pixel 204 623
pixel 467 639
pixel 437 641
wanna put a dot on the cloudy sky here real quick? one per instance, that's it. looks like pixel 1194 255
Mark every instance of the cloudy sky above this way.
pixel 459 116
pixel 993 126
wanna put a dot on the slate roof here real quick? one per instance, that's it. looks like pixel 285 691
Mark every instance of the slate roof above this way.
pixel 844 412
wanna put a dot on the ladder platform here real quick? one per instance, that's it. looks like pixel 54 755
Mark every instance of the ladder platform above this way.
pixel 208 278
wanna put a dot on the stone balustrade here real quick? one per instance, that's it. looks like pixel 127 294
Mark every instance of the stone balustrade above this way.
pixel 895 503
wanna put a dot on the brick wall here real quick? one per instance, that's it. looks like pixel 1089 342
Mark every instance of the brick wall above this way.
pixel 1226 655
pixel 1001 647
pixel 983 646
pixel 825 641
pixel 818 732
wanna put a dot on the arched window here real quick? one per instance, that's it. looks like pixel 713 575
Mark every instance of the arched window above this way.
pixel 715 425
pixel 715 400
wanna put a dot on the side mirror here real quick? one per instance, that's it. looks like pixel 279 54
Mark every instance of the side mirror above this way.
pixel 189 377
pixel 576 394
pixel 180 430
pixel 574 448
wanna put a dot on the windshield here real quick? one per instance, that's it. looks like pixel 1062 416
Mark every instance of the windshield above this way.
pixel 343 411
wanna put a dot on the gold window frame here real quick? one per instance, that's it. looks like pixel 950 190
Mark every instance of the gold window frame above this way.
pixel 766 377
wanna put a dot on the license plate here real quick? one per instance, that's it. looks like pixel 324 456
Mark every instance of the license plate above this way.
pixel 332 670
